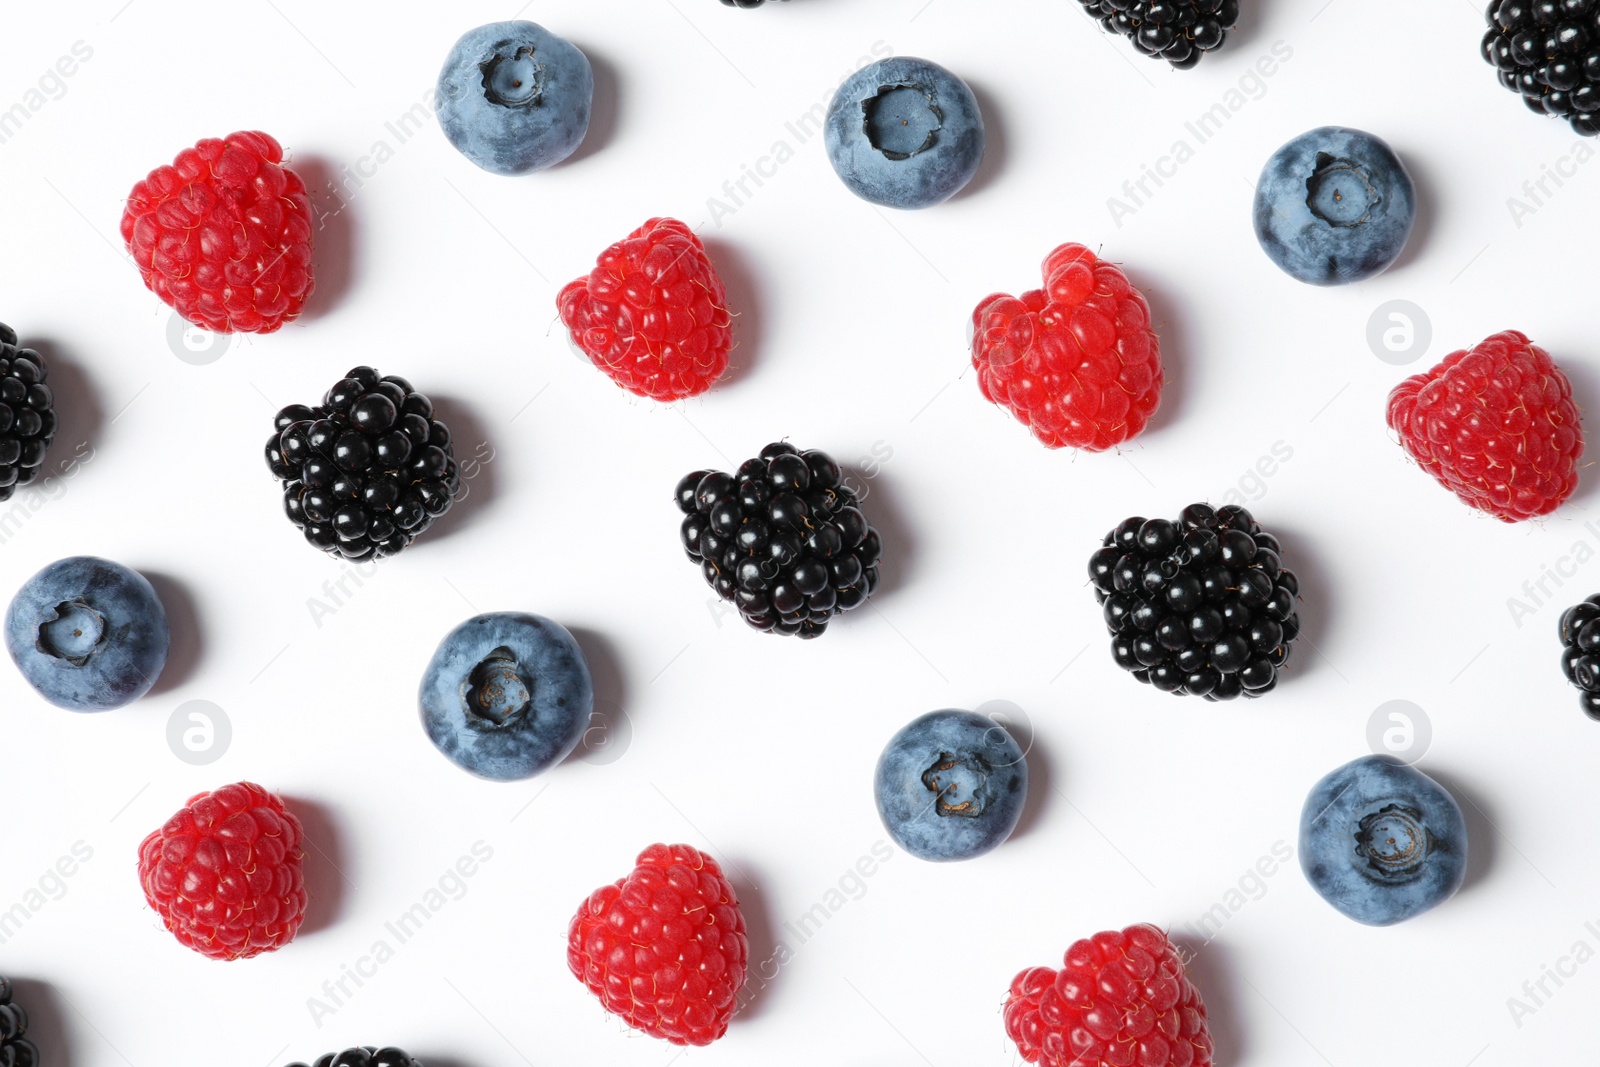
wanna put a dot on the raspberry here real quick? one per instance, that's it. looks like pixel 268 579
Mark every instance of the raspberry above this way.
pixel 224 873
pixel 665 947
pixel 224 235
pixel 1120 998
pixel 1076 360
pixel 653 313
pixel 1495 424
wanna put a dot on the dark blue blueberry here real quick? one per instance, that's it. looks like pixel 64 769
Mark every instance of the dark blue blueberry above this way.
pixel 1334 206
pixel 1382 842
pixel 507 695
pixel 905 133
pixel 515 98
pixel 88 634
pixel 951 785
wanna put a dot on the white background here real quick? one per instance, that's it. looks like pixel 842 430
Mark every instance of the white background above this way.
pixel 1143 808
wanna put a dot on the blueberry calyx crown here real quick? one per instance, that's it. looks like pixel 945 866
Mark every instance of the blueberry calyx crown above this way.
pixel 960 785
pixel 512 77
pixel 901 120
pixel 73 632
pixel 497 689
pixel 1394 843
pixel 1340 192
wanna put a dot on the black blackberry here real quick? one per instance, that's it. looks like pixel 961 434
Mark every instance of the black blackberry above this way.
pixel 1178 31
pixel 1580 652
pixel 368 470
pixel 364 1056
pixel 744 3
pixel 15 1049
pixel 1202 606
pixel 783 539
pixel 1549 52
pixel 27 414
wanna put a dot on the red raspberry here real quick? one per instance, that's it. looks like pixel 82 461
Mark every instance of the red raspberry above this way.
pixel 224 873
pixel 653 313
pixel 224 235
pixel 664 947
pixel 1496 425
pixel 1076 360
pixel 1120 1000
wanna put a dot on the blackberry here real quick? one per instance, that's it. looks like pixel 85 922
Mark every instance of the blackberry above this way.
pixel 364 1056
pixel 1549 52
pixel 1178 31
pixel 27 414
pixel 15 1049
pixel 1580 652
pixel 368 470
pixel 1202 606
pixel 783 539
pixel 744 3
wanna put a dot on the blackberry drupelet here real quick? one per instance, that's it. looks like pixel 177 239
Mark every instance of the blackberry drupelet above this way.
pixel 1178 31
pixel 368 470
pixel 1580 652
pixel 783 539
pixel 1549 52
pixel 15 1048
pixel 1202 606
pixel 744 3
pixel 27 414
pixel 364 1056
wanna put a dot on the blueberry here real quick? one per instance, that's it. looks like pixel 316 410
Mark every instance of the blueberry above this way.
pixel 1334 206
pixel 507 695
pixel 904 133
pixel 88 634
pixel 951 785
pixel 515 98
pixel 1382 842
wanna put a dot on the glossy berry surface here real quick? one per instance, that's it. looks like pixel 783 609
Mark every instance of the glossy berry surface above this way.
pixel 1178 31
pixel 365 1056
pixel 223 235
pixel 665 947
pixel 904 133
pixel 1580 652
pixel 1334 206
pixel 783 539
pixel 1202 606
pixel 1382 842
pixel 1496 425
pixel 1548 52
pixel 507 695
pixel 27 414
pixel 653 314
pixel 15 1048
pixel 368 470
pixel 514 98
pixel 745 3
pixel 1076 362
pixel 951 785
pixel 88 634
pixel 1120 998
pixel 224 873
